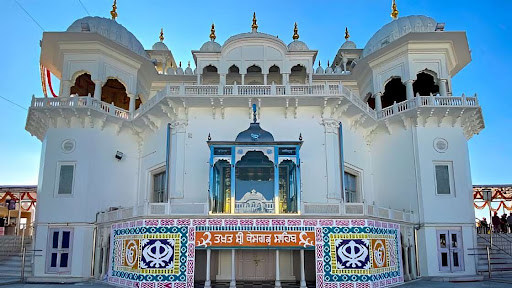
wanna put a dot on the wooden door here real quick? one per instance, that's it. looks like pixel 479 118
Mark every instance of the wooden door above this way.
pixel 255 265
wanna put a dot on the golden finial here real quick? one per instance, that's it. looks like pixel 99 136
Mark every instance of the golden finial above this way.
pixel 295 32
pixel 162 35
pixel 212 33
pixel 394 11
pixel 113 12
pixel 346 34
pixel 254 25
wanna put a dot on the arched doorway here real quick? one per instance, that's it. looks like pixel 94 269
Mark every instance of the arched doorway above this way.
pixel 394 91
pixel 115 92
pixel 254 76
pixel 210 75
pixel 274 75
pixel 83 85
pixel 298 74
pixel 233 76
pixel 425 85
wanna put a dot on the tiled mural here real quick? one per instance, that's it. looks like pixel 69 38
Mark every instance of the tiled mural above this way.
pixel 349 252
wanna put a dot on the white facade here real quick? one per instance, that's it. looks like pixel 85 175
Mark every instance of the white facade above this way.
pixel 390 151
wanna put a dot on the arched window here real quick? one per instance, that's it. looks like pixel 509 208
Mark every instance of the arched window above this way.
pixel 233 76
pixel 298 74
pixel 210 75
pixel 394 91
pixel 83 85
pixel 425 84
pixel 254 75
pixel 114 92
pixel 220 202
pixel 274 75
pixel 254 184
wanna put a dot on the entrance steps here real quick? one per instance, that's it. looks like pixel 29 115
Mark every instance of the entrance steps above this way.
pixel 11 258
pixel 500 254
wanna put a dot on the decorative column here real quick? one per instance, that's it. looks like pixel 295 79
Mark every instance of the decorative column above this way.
pixel 310 76
pixel 265 79
pixel 208 282
pixel 409 91
pixel 378 101
pixel 278 277
pixel 302 273
pixel 443 90
pixel 405 265
pixel 177 158
pixel 232 284
pixel 198 81
pixel 332 157
pixel 132 102
pixel 66 87
pixel 285 78
pixel 243 79
pixel 222 79
pixel 344 61
pixel 97 89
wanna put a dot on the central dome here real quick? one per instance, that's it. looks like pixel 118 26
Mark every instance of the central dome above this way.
pixel 110 29
pixel 253 35
pixel 397 29
pixel 254 134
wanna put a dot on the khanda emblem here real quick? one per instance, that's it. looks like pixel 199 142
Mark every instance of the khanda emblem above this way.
pixel 351 254
pixel 158 253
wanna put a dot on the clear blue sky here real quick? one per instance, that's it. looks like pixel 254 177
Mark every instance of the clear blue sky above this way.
pixel 321 26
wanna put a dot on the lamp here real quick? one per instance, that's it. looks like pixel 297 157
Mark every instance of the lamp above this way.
pixel 119 155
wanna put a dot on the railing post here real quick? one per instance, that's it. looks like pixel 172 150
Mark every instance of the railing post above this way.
pixel 23 251
pixel 326 88
pixel 235 88
pixel 287 89
pixel 112 109
pixel 273 88
pixel 489 261
pixel 220 89
pixel 431 99
pixel 340 89
pixel 418 100
pixel 476 103
pixel 182 88
pixel 463 99
pixel 33 100
pixel 395 108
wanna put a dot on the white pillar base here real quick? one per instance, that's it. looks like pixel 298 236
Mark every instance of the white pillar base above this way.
pixel 302 272
pixel 232 284
pixel 278 276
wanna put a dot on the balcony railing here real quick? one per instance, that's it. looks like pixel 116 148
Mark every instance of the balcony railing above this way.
pixel 80 102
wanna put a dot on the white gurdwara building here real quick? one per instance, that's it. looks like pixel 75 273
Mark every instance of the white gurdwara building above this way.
pixel 257 165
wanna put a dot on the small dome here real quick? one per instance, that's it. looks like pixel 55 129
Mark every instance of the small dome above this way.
pixel 210 46
pixel 188 70
pixel 319 70
pixel 297 45
pixel 170 71
pixel 337 69
pixel 160 46
pixel 110 29
pixel 397 29
pixel 348 45
pixel 179 71
pixel 254 134
pixel 328 70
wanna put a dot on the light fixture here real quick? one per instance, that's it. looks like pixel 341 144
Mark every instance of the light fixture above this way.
pixel 440 27
pixel 119 155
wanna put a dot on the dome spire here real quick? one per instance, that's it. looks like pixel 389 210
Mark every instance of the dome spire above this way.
pixel 254 24
pixel 295 32
pixel 113 13
pixel 394 11
pixel 346 34
pixel 212 33
pixel 162 35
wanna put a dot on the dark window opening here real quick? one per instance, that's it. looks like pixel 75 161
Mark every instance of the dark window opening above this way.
pixel 114 92
pixel 394 91
pixel 425 84
pixel 83 85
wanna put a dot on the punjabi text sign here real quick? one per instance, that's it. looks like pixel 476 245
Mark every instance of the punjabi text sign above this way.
pixel 302 239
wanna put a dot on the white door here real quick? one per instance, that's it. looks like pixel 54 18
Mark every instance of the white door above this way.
pixel 256 265
pixel 450 250
pixel 58 258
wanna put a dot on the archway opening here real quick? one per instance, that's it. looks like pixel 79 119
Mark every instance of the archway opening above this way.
pixel 210 75
pixel 114 92
pixel 254 75
pixel 233 76
pixel 298 74
pixel 274 75
pixel 394 91
pixel 425 85
pixel 83 85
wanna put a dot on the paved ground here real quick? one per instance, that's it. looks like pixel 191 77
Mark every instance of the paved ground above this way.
pixel 416 284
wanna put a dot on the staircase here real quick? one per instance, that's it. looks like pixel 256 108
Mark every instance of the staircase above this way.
pixel 500 254
pixel 11 258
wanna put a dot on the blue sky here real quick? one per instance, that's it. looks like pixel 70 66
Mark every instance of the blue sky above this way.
pixel 321 25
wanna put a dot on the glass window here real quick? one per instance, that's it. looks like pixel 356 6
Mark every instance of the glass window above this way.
pixel 350 183
pixel 159 195
pixel 221 194
pixel 287 187
pixel 254 184
pixel 442 179
pixel 66 172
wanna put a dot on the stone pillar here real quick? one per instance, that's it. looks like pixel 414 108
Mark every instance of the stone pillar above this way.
pixel 409 90
pixel 405 265
pixel 232 284
pixel 198 81
pixel 222 79
pixel 310 76
pixel 97 89
pixel 443 90
pixel 278 277
pixel 345 61
pixel 302 273
pixel 208 282
pixel 132 102
pixel 243 79
pixel 66 87
pixel 177 159
pixel 264 79
pixel 332 153
pixel 378 101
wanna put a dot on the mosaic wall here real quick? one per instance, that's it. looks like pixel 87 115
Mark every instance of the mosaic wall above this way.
pixel 349 252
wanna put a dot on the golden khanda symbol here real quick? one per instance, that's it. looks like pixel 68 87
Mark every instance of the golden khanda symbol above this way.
pixel 131 253
pixel 158 254
pixel 379 253
pixel 354 254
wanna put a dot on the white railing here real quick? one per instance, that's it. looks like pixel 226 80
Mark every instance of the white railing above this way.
pixel 80 102
pixel 254 90
pixel 428 101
